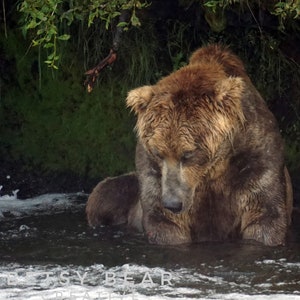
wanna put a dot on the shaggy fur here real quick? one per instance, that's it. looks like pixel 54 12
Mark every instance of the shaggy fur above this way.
pixel 209 160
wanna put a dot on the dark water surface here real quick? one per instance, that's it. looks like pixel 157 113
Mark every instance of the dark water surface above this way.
pixel 84 263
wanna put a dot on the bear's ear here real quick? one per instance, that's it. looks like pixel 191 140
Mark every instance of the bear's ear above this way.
pixel 230 88
pixel 139 98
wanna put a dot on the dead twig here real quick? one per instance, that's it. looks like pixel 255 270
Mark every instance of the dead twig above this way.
pixel 93 73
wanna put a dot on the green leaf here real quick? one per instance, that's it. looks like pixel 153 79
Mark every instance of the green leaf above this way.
pixel 50 56
pixel 32 24
pixel 64 37
pixel 123 24
pixel 115 14
pixel 36 42
pixel 48 45
pixel 40 31
pixel 135 20
pixel 41 16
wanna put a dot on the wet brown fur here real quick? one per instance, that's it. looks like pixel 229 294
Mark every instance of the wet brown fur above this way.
pixel 123 190
pixel 207 141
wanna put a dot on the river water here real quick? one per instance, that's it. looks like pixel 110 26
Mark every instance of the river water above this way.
pixel 47 251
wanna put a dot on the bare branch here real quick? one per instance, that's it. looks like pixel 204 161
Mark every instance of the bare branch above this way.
pixel 93 73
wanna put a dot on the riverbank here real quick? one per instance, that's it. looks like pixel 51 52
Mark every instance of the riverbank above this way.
pixel 27 182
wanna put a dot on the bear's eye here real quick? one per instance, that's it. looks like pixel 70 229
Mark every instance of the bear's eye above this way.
pixel 186 156
pixel 194 157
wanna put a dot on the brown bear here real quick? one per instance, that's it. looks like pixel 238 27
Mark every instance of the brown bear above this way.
pixel 209 160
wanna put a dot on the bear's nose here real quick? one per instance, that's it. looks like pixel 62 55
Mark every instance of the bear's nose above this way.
pixel 174 206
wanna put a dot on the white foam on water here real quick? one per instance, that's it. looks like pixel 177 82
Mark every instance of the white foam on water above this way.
pixel 278 279
pixel 44 204
pixel 36 282
pixel 236 296
pixel 14 195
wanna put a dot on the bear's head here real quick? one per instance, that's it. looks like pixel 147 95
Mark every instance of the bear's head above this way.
pixel 186 123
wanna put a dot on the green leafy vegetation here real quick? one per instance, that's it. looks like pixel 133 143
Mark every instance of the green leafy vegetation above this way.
pixel 60 127
pixel 47 120
pixel 49 21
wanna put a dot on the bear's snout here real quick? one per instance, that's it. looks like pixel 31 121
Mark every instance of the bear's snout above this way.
pixel 175 192
pixel 172 204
